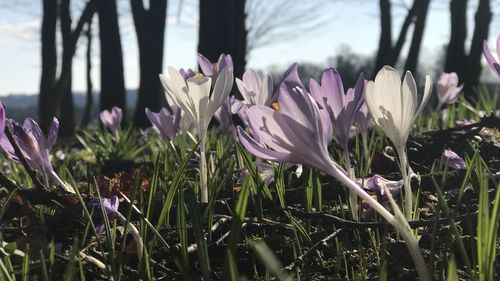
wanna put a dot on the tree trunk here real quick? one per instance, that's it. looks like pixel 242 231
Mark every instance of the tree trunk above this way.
pixel 112 80
pixel 150 30
pixel 418 33
pixel 239 33
pixel 49 62
pixel 52 104
pixel 481 28
pixel 385 42
pixel 222 30
pixel 66 110
pixel 456 59
pixel 409 19
pixel 89 102
pixel 387 53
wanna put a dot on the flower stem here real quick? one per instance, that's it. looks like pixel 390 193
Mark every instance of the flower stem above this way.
pixel 353 198
pixel 398 222
pixel 61 183
pixel 135 233
pixel 364 137
pixel 403 165
pixel 203 171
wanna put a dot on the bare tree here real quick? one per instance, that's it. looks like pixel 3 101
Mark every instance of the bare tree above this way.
pixel 49 60
pixel 421 10
pixel 389 53
pixel 482 24
pixel 222 30
pixel 112 79
pixel 455 54
pixel 150 30
pixel 89 99
pixel 280 20
pixel 60 101
pixel 467 66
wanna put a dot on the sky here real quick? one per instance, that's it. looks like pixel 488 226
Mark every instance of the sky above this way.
pixel 354 23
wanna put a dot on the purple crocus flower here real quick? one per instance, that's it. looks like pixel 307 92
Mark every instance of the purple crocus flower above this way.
pixel 112 120
pixel 296 134
pixel 489 57
pixel 110 207
pixel 452 160
pixel 164 123
pixel 378 185
pixel 34 147
pixel 363 119
pixel 255 90
pixel 341 106
pixel 448 89
pixel 111 210
pixel 213 69
pixel 187 73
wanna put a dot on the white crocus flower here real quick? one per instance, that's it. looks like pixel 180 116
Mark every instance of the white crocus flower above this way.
pixel 194 97
pixel 394 106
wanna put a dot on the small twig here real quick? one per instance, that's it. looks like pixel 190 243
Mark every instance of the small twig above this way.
pixel 166 269
pixel 323 243
pixel 343 223
pixel 22 159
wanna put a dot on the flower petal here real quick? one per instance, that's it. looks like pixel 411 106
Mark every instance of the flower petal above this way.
pixel 206 66
pixel 54 129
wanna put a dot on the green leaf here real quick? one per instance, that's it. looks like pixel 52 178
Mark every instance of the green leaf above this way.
pixel 269 260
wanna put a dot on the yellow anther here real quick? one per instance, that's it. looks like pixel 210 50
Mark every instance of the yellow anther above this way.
pixel 276 106
pixel 199 75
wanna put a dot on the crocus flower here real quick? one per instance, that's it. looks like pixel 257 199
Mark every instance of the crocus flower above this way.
pixel 164 122
pixel 34 147
pixel 187 73
pixel 300 133
pixel 493 62
pixel 255 90
pixel 394 106
pixel 363 119
pixel 448 89
pixel 379 185
pixel 112 120
pixel 195 97
pixel 452 160
pixel 111 210
pixel 213 69
pixel 376 183
pixel 341 106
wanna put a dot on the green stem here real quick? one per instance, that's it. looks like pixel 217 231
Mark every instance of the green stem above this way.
pixel 404 166
pixel 353 198
pixel 203 170
pixel 398 222
pixel 364 137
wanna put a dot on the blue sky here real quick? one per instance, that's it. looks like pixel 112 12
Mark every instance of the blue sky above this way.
pixel 346 22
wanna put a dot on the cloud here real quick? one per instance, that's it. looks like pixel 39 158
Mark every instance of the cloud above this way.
pixel 21 30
